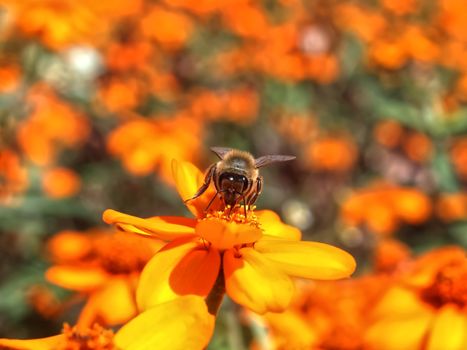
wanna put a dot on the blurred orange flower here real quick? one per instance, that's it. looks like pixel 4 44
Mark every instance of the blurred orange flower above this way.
pixel 198 7
pixel 52 124
pixel 453 19
pixel 452 207
pixel 367 24
pixel 401 7
pixel 382 207
pixel 389 54
pixel 418 147
pixel 458 155
pixel 323 68
pixel 245 19
pixel 128 55
pixel 336 154
pixel 327 315
pixel 10 78
pixel 419 45
pixel 121 94
pixel 179 324
pixel 256 255
pixel 427 309
pixel 102 266
pixel 297 127
pixel 389 133
pixel 13 176
pixel 239 105
pixel 62 23
pixel 60 182
pixel 170 29
pixel 389 255
pixel 146 145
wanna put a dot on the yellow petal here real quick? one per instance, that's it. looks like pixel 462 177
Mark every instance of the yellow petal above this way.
pixel 154 287
pixel 449 330
pixel 292 330
pixel 399 302
pixel 49 343
pixel 275 228
pixel 182 268
pixel 188 179
pixel 66 246
pixel 181 324
pixel 252 281
pixel 225 235
pixel 308 259
pixel 166 228
pixel 398 334
pixel 113 304
pixel 196 272
pixel 83 279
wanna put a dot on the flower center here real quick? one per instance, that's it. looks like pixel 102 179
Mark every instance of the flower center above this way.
pixel 122 253
pixel 343 337
pixel 449 285
pixel 236 215
pixel 94 338
pixel 225 230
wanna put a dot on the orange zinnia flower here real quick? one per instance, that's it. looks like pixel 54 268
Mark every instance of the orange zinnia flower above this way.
pixel 452 207
pixel 13 176
pixel 427 308
pixel 337 154
pixel 257 255
pixel 103 267
pixel 327 315
pixel 240 105
pixel 10 78
pixel 458 155
pixel 170 29
pixel 62 23
pixel 389 133
pixel 145 145
pixel 52 125
pixel 383 207
pixel 180 324
pixel 399 7
pixel 61 182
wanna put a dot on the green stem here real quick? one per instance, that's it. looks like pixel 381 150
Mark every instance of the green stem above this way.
pixel 214 299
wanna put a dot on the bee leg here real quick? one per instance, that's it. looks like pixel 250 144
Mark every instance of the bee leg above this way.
pixel 244 203
pixel 207 180
pixel 211 201
pixel 254 196
pixel 230 211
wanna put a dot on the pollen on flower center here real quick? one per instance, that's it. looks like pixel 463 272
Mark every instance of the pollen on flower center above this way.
pixel 94 338
pixel 236 216
pixel 449 285
pixel 225 230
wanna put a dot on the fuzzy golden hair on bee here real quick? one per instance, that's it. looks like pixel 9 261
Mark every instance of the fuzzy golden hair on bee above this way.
pixel 236 176
pixel 238 161
pixel 237 154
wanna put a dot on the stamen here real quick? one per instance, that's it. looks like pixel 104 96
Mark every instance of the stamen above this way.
pixel 449 285
pixel 94 338
pixel 236 216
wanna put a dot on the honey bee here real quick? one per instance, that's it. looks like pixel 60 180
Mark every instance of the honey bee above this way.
pixel 236 176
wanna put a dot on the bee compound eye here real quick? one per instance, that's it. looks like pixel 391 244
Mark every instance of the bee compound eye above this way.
pixel 244 181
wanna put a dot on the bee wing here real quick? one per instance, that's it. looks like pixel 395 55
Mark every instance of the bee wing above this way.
pixel 221 151
pixel 265 160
